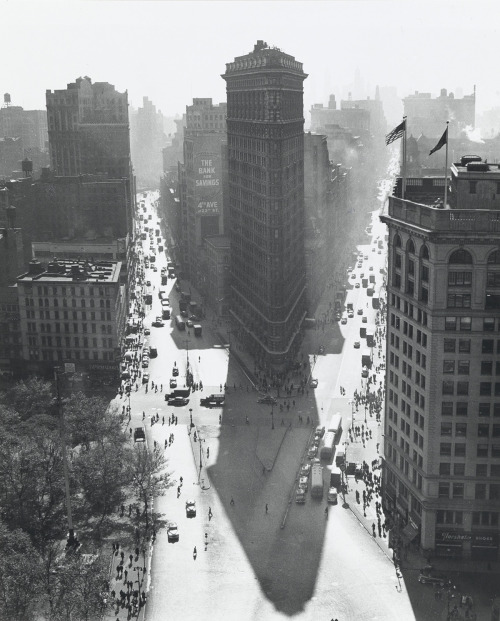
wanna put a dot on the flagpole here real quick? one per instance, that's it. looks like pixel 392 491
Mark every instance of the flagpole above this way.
pixel 446 169
pixel 404 160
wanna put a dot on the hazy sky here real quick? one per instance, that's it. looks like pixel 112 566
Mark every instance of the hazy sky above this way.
pixel 173 51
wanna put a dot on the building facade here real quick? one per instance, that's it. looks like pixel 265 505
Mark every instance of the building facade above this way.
pixel 427 115
pixel 73 311
pixel 203 183
pixel 265 129
pixel 441 477
pixel 88 129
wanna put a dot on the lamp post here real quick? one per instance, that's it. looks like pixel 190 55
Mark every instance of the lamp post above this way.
pixel 72 540
pixel 272 415
pixel 191 416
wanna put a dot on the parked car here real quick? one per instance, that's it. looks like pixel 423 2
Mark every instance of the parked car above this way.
pixel 172 532
pixel 305 470
pixel 364 319
pixel 350 314
pixel 343 321
pixel 304 483
pixel 427 578
pixel 147 331
pixel 320 431
pixel 300 496
pixel 357 345
pixel 313 383
pixel 175 371
pixel 332 496
pixel 360 311
pixel 357 285
pixel 364 372
pixel 173 383
pixel 145 378
pixel 190 508
pixel 178 401
pixel 312 452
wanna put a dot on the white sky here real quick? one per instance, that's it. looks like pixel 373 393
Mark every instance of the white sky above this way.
pixel 173 51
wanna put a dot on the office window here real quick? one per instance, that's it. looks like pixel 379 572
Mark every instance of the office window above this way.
pixel 458 490
pixel 494 491
pixel 463 367
pixel 445 448
pixel 481 470
pixel 484 409
pixel 488 324
pixel 444 490
pixel 459 470
pixel 462 388
pixel 449 346
pixel 448 387
pixel 482 450
pixel 461 429
pixel 464 346
pixel 465 324
pixel 447 408
pixel 487 346
pixel 486 368
pixel 450 323
pixel 485 389
pixel 462 408
pixel 446 429
pixel 459 450
pixel 483 430
pixel 448 366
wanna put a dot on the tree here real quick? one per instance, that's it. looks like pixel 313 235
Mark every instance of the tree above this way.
pixel 20 576
pixel 149 478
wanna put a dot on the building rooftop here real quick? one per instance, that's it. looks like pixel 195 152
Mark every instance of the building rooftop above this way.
pixel 266 56
pixel 99 272
pixel 218 241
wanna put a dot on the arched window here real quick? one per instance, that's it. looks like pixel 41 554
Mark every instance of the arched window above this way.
pixel 410 246
pixel 397 241
pixel 460 257
pixel 424 253
pixel 494 257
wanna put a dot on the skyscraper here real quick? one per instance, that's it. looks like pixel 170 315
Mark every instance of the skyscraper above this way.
pixel 442 427
pixel 265 131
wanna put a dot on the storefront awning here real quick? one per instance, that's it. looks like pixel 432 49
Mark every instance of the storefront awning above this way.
pixel 409 532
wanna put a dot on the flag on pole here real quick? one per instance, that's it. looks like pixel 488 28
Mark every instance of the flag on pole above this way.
pixel 442 141
pixel 396 133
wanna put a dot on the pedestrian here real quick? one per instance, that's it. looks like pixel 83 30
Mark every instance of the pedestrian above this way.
pixel 208 452
pixel 210 514
pixel 232 501
pixel 267 508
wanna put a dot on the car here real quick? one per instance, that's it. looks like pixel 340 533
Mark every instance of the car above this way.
pixel 321 350
pixel 155 269
pixel 304 483
pixel 139 434
pixel 316 441
pixel 379 252
pixel 147 331
pixel 178 401
pixel 360 264
pixel 320 431
pixel 175 371
pixel 366 256
pixel 313 383
pixel 332 496
pixel 145 378
pixel 427 578
pixel 343 320
pixel 173 383
pixel 371 268
pixel 364 372
pixel 172 532
pixel 268 399
pixel 350 314
pixel 353 276
pixel 349 269
pixel 373 250
pixel 357 344
pixel 145 363
pixel 312 452
pixel 338 316
pixel 300 496
pixel 305 470
pixel 357 285
pixel 158 323
pixel 184 313
pixel 190 508
pixel 189 323
pixel 148 283
pixel 364 319
pixel 153 352
pixel 360 311
pixel 358 469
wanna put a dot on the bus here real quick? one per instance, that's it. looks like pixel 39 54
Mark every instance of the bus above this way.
pixel 328 447
pixel 370 336
pixel 366 358
pixel 335 426
pixel 317 481
pixel 180 323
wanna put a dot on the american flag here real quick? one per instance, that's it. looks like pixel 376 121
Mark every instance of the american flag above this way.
pixel 396 133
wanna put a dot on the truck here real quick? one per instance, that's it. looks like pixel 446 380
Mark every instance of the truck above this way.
pixel 183 305
pixel 197 329
pixel 371 278
pixel 335 426
pixel 326 452
pixel 362 331
pixel 164 279
pixel 185 297
pixel 180 323
pixel 375 302
pixel 181 392
pixel 364 282
pixel 350 306
pixel 317 481
pixel 335 477
pixel 370 291
pixel 165 312
pixel 340 458
pixel 213 400
pixel 366 358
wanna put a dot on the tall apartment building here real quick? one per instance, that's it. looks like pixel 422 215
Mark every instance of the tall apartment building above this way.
pixel 427 115
pixel 442 426
pixel 73 311
pixel 147 140
pixel 202 184
pixel 265 129
pixel 89 129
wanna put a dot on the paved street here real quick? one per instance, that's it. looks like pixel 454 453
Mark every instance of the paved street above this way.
pixel 290 560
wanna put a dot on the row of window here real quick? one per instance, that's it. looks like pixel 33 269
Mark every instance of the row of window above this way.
pixel 55 355
pixel 72 291
pixel 445 469
pixel 482 450
pixel 421 337
pixel 482 491
pixel 460 429
pixel 94 315
pixel 57 342
pixel 65 327
pixel 408 309
pixel 44 302
pixel 461 409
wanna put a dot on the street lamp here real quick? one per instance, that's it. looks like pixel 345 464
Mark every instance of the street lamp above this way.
pixel 272 415
pixel 72 540
pixel 191 416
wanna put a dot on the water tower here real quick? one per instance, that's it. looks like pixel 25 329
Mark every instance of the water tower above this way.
pixel 6 100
